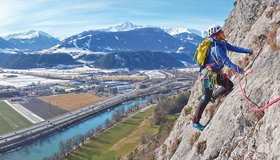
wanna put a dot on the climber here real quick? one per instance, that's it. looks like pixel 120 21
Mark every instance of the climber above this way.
pixel 211 74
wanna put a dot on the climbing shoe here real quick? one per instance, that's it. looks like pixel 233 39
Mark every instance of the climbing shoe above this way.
pixel 212 99
pixel 198 126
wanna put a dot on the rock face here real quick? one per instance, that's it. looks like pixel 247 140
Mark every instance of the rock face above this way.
pixel 235 131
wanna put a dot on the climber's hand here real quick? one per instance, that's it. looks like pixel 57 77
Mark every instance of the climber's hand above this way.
pixel 248 71
pixel 255 54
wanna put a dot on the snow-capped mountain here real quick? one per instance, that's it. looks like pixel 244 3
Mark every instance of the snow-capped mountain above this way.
pixel 125 26
pixel 174 30
pixel 5 44
pixel 202 34
pixel 151 39
pixel 32 40
pixel 187 37
pixel 130 37
pixel 177 30
pixel 27 35
pixel 128 26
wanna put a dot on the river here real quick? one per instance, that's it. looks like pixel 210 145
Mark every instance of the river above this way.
pixel 47 146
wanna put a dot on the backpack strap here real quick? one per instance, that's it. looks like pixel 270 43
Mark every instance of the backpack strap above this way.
pixel 215 57
pixel 207 54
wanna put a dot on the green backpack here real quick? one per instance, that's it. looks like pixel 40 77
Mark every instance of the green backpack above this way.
pixel 201 51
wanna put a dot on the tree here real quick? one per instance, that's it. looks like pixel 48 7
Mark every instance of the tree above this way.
pixel 107 123
pixel 159 117
pixel 57 156
pixel 62 148
pixel 90 133
pixel 76 141
pixel 81 138
pixel 117 115
pixel 122 110
pixel 145 137
pixel 98 128
pixel 69 145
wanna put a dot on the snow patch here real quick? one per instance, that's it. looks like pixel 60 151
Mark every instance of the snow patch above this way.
pixel 180 49
pixel 74 52
pixel 185 63
pixel 174 30
pixel 28 35
pixel 117 57
pixel 126 26
pixel 10 51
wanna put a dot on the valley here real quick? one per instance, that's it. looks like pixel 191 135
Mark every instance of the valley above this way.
pixel 54 86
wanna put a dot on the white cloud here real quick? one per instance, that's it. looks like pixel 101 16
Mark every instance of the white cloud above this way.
pixel 60 17
pixel 10 11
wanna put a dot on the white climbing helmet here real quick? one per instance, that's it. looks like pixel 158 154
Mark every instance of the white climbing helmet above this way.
pixel 214 29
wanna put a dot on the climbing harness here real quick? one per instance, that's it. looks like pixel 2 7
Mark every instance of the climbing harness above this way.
pixel 209 78
pixel 211 74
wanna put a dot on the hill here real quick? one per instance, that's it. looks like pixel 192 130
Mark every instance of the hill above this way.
pixel 25 61
pixel 138 60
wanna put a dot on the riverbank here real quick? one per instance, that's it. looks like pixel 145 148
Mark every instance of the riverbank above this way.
pixel 43 129
pixel 119 140
pixel 47 146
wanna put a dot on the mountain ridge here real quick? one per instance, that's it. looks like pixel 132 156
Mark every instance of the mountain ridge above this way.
pixel 152 39
pixel 32 40
pixel 128 26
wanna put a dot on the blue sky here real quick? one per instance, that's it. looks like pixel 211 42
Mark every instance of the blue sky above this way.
pixel 62 18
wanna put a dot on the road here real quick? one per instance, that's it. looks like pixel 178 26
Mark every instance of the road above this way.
pixel 21 137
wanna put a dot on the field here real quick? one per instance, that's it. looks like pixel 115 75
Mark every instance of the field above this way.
pixel 10 120
pixel 25 80
pixel 72 101
pixel 127 144
pixel 42 108
pixel 120 140
pixel 154 74
pixel 124 78
pixel 60 73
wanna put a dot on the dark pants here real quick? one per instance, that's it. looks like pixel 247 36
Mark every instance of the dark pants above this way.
pixel 222 81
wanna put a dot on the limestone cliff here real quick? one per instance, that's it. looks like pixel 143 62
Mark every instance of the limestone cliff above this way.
pixel 235 131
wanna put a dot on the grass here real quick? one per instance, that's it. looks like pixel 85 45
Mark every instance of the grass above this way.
pixel 120 140
pixel 172 117
pixel 125 146
pixel 10 120
pixel 72 101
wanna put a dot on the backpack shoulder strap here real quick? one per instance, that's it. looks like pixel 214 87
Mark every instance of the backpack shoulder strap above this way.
pixel 215 56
